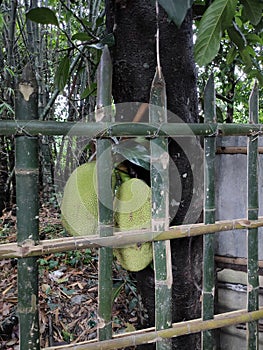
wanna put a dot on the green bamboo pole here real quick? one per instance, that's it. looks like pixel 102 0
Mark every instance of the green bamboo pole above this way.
pixel 208 341
pixel 26 170
pixel 150 335
pixel 252 214
pixel 12 250
pixel 160 211
pixel 105 196
pixel 107 129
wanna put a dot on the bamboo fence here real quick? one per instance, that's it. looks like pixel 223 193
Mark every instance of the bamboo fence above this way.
pixel 26 171
pixel 208 291
pixel 252 234
pixel 28 247
pixel 160 211
pixel 105 199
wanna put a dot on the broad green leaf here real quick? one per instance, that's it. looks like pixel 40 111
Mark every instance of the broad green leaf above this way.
pixel 176 9
pixel 135 153
pixel 62 73
pixel 42 15
pixel 81 36
pixel 108 40
pixel 255 73
pixel 252 10
pixel 247 61
pixel 237 36
pixel 215 20
pixel 231 55
pixel 254 38
pixel 89 90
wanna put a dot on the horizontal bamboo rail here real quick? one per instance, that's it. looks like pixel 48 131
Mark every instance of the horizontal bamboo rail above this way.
pixel 150 335
pixel 12 250
pixel 235 150
pixel 234 261
pixel 107 129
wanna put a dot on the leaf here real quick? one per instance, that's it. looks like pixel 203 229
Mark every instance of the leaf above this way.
pixel 81 36
pixel 62 73
pixel 176 9
pixel 42 15
pixel 252 10
pixel 89 90
pixel 247 61
pixel 231 55
pixel 108 40
pixel 237 36
pixel 136 154
pixel 215 20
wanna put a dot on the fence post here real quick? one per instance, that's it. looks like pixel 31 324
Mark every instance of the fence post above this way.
pixel 252 214
pixel 160 211
pixel 208 341
pixel 26 170
pixel 105 196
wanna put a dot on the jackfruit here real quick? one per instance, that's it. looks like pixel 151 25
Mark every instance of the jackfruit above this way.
pixel 132 206
pixel 79 206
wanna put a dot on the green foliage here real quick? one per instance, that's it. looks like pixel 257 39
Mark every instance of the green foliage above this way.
pixel 135 152
pixel 42 15
pixel 62 73
pixel 176 9
pixel 252 11
pixel 217 17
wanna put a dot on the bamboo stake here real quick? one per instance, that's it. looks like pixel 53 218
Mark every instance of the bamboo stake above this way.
pixel 13 250
pixel 160 211
pixel 208 341
pixel 252 213
pixel 107 129
pixel 26 170
pixel 105 197
pixel 151 335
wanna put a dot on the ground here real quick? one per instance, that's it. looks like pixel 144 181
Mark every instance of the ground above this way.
pixel 68 291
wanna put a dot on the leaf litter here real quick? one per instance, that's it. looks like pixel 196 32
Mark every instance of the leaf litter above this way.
pixel 68 291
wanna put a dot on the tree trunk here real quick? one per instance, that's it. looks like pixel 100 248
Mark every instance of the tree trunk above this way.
pixel 133 23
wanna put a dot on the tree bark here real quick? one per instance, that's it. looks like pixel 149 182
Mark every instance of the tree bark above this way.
pixel 133 23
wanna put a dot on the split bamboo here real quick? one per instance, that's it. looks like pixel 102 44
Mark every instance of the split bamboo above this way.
pixel 208 339
pixel 151 335
pixel 252 213
pixel 107 129
pixel 13 250
pixel 160 211
pixel 105 198
pixel 26 170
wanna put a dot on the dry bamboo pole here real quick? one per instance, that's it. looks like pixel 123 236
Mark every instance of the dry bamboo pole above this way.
pixel 13 250
pixel 151 335
pixel 105 198
pixel 160 211
pixel 107 129
pixel 252 214
pixel 26 170
pixel 235 150
pixel 208 339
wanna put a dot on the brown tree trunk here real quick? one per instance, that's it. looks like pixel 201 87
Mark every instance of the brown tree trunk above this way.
pixel 133 23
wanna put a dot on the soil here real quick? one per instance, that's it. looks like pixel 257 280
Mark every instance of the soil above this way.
pixel 68 291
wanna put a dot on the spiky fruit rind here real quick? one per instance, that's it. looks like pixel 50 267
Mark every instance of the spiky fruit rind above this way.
pixel 132 205
pixel 135 257
pixel 132 212
pixel 79 206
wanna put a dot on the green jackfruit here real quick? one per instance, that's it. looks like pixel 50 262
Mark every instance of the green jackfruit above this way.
pixel 79 206
pixel 132 206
